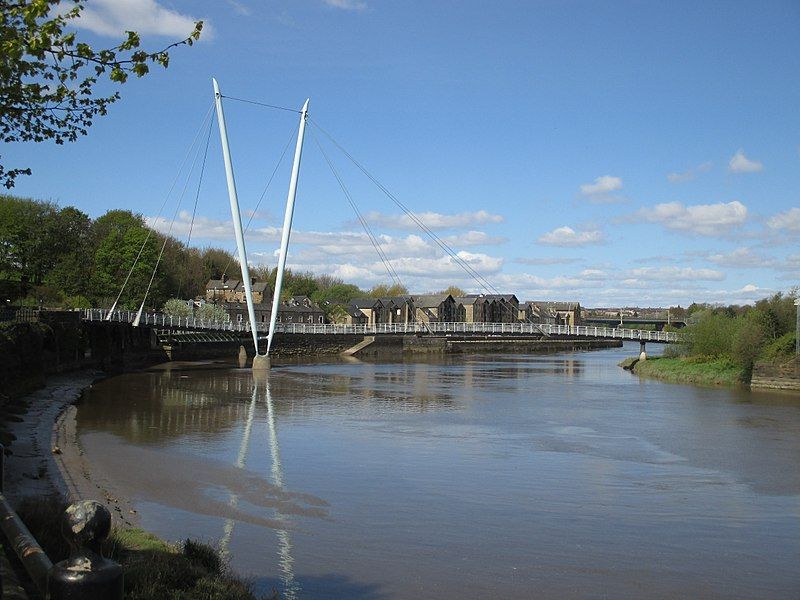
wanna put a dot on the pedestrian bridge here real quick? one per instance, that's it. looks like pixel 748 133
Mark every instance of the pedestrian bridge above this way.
pixel 547 330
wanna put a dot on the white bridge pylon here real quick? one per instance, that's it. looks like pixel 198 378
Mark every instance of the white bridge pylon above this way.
pixel 237 222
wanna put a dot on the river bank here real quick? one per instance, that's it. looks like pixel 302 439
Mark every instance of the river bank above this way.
pixel 46 469
pixel 693 370
pixel 781 373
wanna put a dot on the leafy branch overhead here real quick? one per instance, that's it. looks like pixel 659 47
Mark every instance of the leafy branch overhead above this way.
pixel 48 77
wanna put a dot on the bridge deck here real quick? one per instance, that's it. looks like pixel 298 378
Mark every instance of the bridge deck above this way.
pixel 591 331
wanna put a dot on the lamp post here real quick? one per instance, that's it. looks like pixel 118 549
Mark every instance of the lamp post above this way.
pixel 797 328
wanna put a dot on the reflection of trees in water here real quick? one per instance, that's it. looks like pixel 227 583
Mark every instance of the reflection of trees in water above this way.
pixel 487 371
pixel 153 407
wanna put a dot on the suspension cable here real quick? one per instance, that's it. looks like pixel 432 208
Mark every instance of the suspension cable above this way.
pixel 480 279
pixel 175 213
pixel 196 198
pixel 163 204
pixel 294 110
pixel 367 229
pixel 264 193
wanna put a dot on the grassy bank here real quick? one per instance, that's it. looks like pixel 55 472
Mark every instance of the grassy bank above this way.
pixel 154 569
pixel 701 370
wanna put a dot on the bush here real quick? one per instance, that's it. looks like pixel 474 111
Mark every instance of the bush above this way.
pixel 77 302
pixel 175 307
pixel 212 312
pixel 783 347
pixel 711 335
pixel 747 343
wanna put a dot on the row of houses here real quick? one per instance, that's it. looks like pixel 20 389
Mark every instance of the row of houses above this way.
pixel 230 295
pixel 437 308
pixel 473 308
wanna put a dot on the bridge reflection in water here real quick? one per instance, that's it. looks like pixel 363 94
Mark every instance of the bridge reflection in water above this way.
pixel 261 389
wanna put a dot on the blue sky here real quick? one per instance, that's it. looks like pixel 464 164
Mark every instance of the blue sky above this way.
pixel 615 153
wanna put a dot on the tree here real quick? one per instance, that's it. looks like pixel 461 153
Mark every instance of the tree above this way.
pixel 48 77
pixel 388 291
pixel 340 293
pixel 116 256
pixel 212 312
pixel 27 248
pixel 72 239
pixel 454 291
pixel 175 307
pixel 218 262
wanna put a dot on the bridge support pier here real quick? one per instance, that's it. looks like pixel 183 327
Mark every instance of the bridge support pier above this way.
pixel 642 353
pixel 261 362
pixel 242 357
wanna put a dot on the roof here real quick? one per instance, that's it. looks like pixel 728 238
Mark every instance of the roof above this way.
pixel 556 305
pixel 430 301
pixel 506 297
pixel 355 312
pixel 219 284
pixel 365 302
pixel 261 286
pixel 397 300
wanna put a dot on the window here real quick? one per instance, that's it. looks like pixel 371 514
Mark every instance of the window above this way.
pixel 321 320
pixel 239 317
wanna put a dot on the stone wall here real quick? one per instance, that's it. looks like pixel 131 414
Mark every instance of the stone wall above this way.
pixel 777 376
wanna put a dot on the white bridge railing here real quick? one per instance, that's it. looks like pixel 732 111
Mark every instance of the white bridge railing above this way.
pixel 161 320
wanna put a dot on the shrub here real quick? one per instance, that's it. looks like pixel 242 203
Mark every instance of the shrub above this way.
pixel 212 312
pixel 711 335
pixel 175 307
pixel 77 302
pixel 782 347
pixel 747 343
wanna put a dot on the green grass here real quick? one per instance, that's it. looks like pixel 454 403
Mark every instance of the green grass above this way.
pixel 693 369
pixel 154 569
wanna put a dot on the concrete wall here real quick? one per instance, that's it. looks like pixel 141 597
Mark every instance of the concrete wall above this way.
pixel 777 376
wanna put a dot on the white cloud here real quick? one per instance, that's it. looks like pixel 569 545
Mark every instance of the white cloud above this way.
pixel 239 8
pixel 566 236
pixel 433 220
pixel 594 274
pixel 789 220
pixel 147 17
pixel 739 163
pixel 421 263
pixel 347 4
pixel 711 220
pixel 676 274
pixel 473 238
pixel 546 261
pixel 741 258
pixel 602 185
pixel 690 174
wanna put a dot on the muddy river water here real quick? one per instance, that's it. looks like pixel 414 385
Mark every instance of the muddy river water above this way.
pixel 483 476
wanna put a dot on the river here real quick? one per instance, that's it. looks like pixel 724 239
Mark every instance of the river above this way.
pixel 474 476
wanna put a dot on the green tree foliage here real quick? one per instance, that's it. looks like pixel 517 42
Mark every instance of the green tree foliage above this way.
pixel 41 244
pixel 388 291
pixel 75 242
pixel 338 293
pixel 744 334
pixel 174 307
pixel 116 256
pixel 711 335
pixel 748 341
pixel 454 291
pixel 212 312
pixel 778 314
pixel 48 76
pixel 217 263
